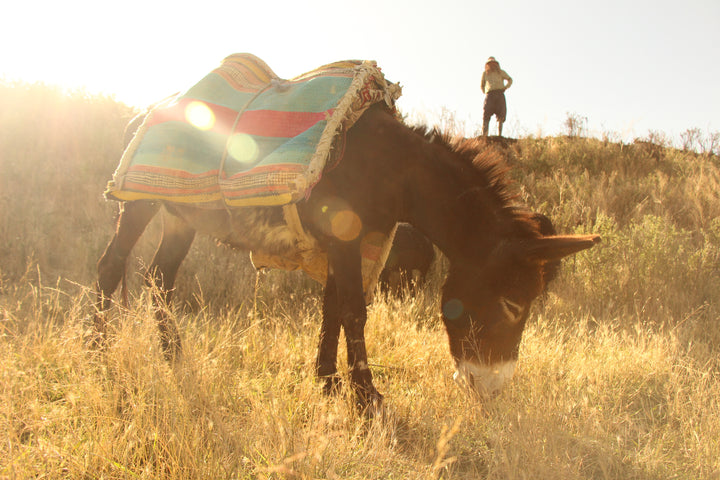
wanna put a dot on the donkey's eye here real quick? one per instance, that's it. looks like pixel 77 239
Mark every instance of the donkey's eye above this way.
pixel 511 309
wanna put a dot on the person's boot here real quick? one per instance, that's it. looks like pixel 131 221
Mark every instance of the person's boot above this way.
pixel 500 124
pixel 486 125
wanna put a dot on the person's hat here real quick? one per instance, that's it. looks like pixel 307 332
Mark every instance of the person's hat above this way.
pixel 491 60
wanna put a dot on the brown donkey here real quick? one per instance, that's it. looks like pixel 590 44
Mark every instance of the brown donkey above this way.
pixel 454 192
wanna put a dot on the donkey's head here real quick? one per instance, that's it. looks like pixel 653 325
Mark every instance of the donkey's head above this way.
pixel 485 309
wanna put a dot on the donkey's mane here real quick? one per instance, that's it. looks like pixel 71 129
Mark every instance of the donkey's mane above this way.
pixel 486 174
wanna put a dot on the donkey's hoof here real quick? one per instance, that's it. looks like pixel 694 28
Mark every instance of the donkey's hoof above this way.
pixel 370 404
pixel 95 340
pixel 172 352
pixel 331 384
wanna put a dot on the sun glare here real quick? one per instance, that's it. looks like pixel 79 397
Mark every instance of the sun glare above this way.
pixel 346 225
pixel 453 309
pixel 243 149
pixel 200 116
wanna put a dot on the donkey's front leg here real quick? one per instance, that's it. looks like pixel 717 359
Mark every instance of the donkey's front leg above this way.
pixel 326 364
pixel 344 272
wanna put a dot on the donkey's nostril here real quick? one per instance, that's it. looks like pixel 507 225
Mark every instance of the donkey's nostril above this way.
pixel 513 311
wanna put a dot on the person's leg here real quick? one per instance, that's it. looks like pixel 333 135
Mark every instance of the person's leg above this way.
pixel 501 112
pixel 487 113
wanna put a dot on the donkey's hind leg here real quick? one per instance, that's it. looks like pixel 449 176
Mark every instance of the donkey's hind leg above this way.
pixel 134 217
pixel 177 237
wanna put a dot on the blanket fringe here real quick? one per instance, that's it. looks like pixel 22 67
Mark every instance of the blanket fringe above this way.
pixel 345 115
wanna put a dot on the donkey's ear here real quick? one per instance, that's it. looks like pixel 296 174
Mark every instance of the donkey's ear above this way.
pixel 559 246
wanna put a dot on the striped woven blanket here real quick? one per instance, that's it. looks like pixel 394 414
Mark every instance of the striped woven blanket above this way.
pixel 242 136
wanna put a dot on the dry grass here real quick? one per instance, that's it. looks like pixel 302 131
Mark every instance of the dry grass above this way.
pixel 619 374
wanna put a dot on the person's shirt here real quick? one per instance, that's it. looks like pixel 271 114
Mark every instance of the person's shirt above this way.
pixel 495 80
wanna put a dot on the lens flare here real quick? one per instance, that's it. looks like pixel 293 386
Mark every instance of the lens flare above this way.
pixel 243 149
pixel 453 309
pixel 199 115
pixel 346 225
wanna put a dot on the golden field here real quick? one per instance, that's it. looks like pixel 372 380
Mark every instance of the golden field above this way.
pixel 619 371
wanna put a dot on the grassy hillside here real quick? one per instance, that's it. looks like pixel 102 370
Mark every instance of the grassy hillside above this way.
pixel 618 376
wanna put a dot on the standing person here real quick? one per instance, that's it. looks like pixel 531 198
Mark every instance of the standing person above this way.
pixel 494 86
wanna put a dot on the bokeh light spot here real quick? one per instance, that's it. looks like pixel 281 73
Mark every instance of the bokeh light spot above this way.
pixel 453 309
pixel 243 148
pixel 346 225
pixel 199 115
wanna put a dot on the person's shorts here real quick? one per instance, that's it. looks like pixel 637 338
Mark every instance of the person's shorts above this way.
pixel 495 105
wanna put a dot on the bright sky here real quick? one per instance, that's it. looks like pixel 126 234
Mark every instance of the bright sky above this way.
pixel 628 66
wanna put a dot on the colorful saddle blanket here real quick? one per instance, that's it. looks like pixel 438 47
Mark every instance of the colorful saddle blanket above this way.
pixel 242 136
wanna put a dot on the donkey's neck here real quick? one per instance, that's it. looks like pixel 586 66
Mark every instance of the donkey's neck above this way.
pixel 461 218
pixel 392 173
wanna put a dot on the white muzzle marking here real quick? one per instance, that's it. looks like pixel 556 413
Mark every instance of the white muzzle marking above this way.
pixel 486 380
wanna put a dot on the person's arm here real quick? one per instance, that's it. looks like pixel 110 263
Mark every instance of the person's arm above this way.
pixel 482 82
pixel 508 78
